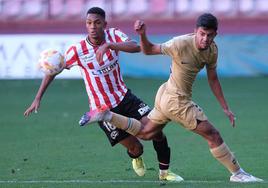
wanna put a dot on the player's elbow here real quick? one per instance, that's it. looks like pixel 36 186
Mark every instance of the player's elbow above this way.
pixel 137 49
pixel 151 49
pixel 147 52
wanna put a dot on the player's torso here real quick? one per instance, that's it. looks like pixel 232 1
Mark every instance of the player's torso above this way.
pixel 103 80
pixel 186 65
pixel 87 56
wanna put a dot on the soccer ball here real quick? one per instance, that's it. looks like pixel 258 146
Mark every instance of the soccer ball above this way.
pixel 51 62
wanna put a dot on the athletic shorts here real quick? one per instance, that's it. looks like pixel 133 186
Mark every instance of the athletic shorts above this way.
pixel 130 106
pixel 173 107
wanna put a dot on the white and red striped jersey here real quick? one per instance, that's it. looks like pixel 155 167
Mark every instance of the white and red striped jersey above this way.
pixel 103 81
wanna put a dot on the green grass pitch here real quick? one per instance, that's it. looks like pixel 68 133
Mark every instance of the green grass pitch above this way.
pixel 49 149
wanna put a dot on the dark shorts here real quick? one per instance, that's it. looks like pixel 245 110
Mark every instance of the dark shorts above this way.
pixel 130 106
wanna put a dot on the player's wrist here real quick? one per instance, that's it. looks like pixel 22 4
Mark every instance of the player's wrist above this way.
pixel 111 45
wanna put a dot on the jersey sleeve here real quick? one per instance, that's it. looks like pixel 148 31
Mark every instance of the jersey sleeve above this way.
pixel 214 57
pixel 170 47
pixel 71 58
pixel 120 36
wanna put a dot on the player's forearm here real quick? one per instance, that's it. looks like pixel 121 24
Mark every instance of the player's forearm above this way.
pixel 45 83
pixel 146 45
pixel 149 48
pixel 217 91
pixel 129 46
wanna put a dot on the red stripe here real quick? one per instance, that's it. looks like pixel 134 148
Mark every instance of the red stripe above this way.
pixel 111 88
pixel 95 50
pixel 71 48
pixel 120 78
pixel 71 60
pixel 96 98
pixel 99 83
pixel 84 47
pixel 119 88
pixel 109 36
pixel 118 39
pixel 116 51
pixel 103 92
pixel 108 53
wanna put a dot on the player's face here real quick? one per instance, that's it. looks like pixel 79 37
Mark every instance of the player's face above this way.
pixel 204 37
pixel 95 25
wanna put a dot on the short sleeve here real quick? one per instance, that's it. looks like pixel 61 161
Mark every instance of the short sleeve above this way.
pixel 71 57
pixel 120 36
pixel 170 47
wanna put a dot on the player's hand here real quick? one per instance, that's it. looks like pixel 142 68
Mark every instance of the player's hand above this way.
pixel 101 51
pixel 139 27
pixel 231 116
pixel 33 108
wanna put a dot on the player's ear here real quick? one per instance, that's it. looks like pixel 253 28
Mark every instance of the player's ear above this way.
pixel 215 34
pixel 105 24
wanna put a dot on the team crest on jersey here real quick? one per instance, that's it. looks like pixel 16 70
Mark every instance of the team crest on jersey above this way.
pixel 86 58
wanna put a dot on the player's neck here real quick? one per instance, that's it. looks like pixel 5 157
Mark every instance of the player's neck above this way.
pixel 96 41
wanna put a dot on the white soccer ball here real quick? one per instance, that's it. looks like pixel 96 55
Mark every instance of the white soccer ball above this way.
pixel 51 62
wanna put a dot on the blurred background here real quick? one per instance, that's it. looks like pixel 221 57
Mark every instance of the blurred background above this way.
pixel 48 147
pixel 30 26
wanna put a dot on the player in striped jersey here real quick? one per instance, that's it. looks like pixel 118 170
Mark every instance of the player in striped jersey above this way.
pixel 97 57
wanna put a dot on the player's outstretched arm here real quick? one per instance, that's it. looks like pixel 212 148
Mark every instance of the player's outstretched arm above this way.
pixel 147 47
pixel 36 102
pixel 215 86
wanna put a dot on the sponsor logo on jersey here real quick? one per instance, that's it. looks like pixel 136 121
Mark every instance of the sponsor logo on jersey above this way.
pixel 105 69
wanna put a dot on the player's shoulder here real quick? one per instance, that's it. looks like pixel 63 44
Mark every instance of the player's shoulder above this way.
pixel 76 45
pixel 113 30
pixel 214 48
pixel 185 37
pixel 183 40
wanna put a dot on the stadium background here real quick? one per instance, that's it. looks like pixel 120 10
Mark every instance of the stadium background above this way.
pixel 29 26
pixel 48 149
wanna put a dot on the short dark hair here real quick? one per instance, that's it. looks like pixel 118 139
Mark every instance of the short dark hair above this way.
pixel 96 10
pixel 207 21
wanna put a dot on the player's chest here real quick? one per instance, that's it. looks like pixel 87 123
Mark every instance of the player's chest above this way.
pixel 89 60
pixel 194 61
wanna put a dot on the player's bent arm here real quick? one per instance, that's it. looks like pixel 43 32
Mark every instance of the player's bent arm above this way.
pixel 127 46
pixel 36 102
pixel 45 83
pixel 215 86
pixel 147 47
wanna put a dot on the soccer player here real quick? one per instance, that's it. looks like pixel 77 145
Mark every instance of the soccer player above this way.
pixel 190 53
pixel 97 58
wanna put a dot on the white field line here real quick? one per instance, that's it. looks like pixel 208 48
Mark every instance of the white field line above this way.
pixel 104 181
